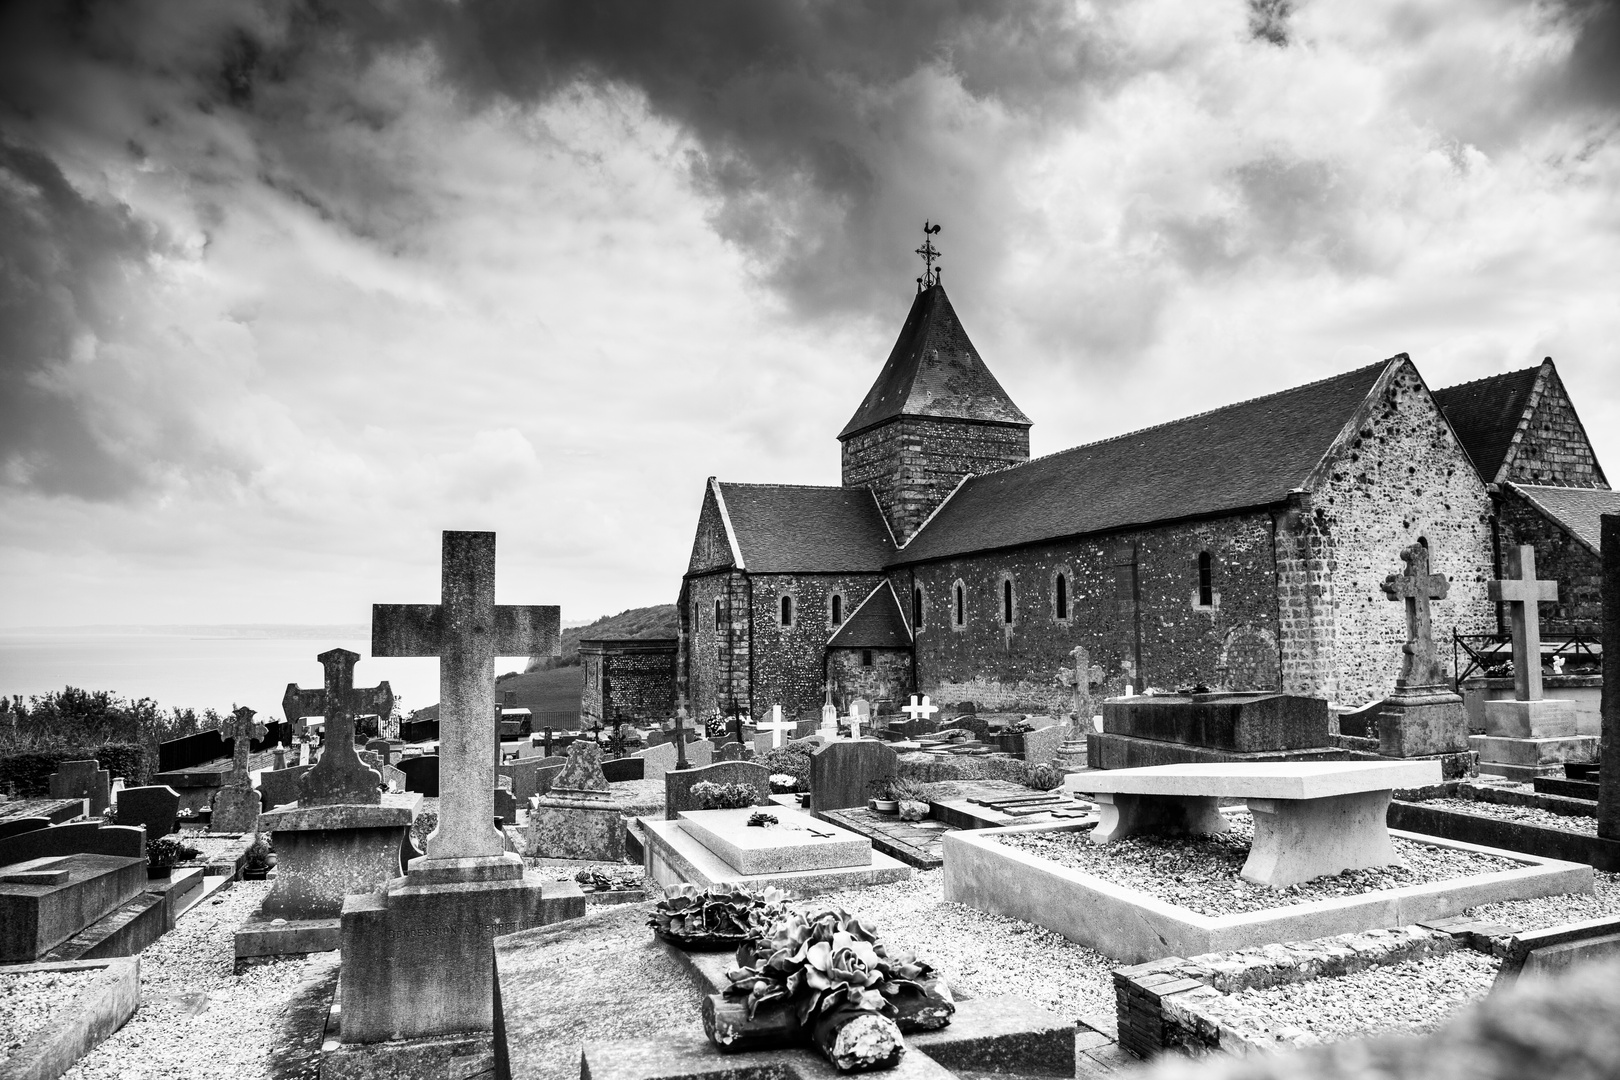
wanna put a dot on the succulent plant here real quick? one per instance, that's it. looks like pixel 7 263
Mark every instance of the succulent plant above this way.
pixel 1045 777
pixel 721 909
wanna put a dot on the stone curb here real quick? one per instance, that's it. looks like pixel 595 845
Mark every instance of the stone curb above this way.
pixel 98 1010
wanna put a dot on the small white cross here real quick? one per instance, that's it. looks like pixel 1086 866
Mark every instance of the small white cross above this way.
pixel 777 726
pixel 919 712
pixel 854 722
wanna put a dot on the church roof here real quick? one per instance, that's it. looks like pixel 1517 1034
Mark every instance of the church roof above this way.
pixel 1576 510
pixel 791 529
pixel 1486 414
pixel 934 370
pixel 875 624
pixel 1246 455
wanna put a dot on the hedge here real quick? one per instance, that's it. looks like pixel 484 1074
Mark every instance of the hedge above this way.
pixel 29 773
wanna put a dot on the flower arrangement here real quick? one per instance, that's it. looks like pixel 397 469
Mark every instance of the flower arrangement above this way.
pixel 711 796
pixel 597 880
pixel 826 975
pixel 721 916
pixel 1044 776
pixel 165 853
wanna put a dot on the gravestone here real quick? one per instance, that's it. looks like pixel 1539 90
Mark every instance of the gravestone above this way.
pixel 862 708
pixel 843 774
pixel 678 783
pixel 734 751
pixel 525 775
pixel 1608 807
pixel 1043 743
pixel 155 807
pixel 623 770
pixel 280 786
pixel 82 780
pixel 578 818
pixel 1423 717
pixel 506 806
pixel 417 955
pixel 236 805
pixel 340 778
pixel 421 774
pixel 777 727
pixel 1179 729
pixel 385 749
pixel 699 754
pixel 298 703
pixel 829 715
pixel 657 760
pixel 1531 735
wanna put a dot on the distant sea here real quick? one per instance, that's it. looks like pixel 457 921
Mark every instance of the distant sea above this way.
pixel 203 666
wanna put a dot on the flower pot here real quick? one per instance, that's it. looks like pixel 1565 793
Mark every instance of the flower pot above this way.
pixel 884 806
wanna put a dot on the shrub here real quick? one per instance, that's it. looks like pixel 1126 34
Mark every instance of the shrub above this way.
pixel 711 796
pixel 28 772
pixel 794 763
pixel 167 851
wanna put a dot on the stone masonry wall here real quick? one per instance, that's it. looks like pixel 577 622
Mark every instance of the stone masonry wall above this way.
pixel 1027 665
pixel 1399 477
pixel 628 682
pixel 788 661
pixel 913 463
pixel 1552 448
pixel 718 657
pixel 886 683
pixel 1561 558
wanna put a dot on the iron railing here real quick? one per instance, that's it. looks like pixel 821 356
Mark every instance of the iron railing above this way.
pixel 1487 651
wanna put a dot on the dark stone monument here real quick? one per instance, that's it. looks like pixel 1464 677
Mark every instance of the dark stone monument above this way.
pixel 156 807
pixel 280 786
pixel 82 780
pixel 734 751
pixel 506 805
pixel 1423 717
pixel 74 838
pixel 1608 807
pixel 678 783
pixel 623 770
pixel 298 703
pixel 1175 729
pixel 236 805
pixel 421 774
pixel 525 775
pixel 843 774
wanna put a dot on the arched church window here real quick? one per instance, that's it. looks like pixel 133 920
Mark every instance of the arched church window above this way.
pixel 1060 596
pixel 961 604
pixel 787 611
pixel 866 658
pixel 717 622
pixel 1007 601
pixel 1206 580
pixel 917 608
pixel 835 605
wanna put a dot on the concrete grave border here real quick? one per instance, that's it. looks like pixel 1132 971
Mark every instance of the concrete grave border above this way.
pixel 1133 927
pixel 97 1011
pixel 1460 826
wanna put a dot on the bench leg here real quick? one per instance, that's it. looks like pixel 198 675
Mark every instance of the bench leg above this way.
pixel 1163 815
pixel 1299 839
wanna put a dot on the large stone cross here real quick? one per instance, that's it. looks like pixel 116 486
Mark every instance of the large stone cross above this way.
pixel 1415 585
pixel 777 726
pixel 1522 592
pixel 925 711
pixel 467 630
pixel 244 729
pixel 340 777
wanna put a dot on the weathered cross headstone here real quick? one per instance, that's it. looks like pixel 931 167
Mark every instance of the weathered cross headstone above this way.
pixel 777 727
pixel 1521 592
pixel 466 631
pixel 855 718
pixel 84 779
pixel 829 715
pixel 1608 808
pixel 236 805
pixel 340 777
pixel 417 955
pixel 1423 717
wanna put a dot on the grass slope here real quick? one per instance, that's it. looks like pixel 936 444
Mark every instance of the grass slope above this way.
pixel 658 621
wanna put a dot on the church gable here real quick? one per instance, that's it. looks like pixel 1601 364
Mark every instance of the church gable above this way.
pixel 712 547
pixel 1521 426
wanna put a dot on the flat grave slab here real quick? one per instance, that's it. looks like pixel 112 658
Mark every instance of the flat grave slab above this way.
pixel 797 842
pixel 37 917
pixel 915 843
pixel 1269 780
pixel 107 995
pixel 1132 926
pixel 55 811
pixel 673 855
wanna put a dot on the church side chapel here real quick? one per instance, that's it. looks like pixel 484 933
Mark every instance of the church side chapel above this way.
pixel 1240 549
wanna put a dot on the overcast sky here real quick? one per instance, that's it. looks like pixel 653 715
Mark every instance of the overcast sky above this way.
pixel 287 289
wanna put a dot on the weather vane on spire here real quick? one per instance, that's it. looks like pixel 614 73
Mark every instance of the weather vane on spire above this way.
pixel 929 253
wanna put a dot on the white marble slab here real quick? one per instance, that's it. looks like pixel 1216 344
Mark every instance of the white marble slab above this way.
pixel 1260 780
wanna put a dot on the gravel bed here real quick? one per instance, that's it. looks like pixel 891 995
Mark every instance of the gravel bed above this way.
pixel 1411 997
pixel 1527 815
pixel 1544 911
pixel 196 1018
pixel 28 1000
pixel 1200 873
pixel 985 955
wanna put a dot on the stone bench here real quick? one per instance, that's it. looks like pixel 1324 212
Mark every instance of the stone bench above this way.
pixel 1311 818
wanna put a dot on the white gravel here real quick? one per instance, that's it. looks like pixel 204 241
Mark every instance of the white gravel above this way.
pixel 28 1000
pixel 1415 996
pixel 1527 815
pixel 1201 873
pixel 984 954
pixel 1545 911
pixel 196 1018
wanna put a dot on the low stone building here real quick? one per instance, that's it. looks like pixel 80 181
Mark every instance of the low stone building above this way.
pixel 627 680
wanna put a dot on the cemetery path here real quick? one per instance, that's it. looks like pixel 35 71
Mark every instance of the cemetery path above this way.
pixel 196 1017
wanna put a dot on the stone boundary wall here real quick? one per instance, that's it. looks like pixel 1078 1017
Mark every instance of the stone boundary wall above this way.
pixel 1161 1003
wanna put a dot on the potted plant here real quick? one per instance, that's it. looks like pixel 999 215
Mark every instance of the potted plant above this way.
pixel 884 800
pixel 164 854
pixel 260 858
pixel 911 797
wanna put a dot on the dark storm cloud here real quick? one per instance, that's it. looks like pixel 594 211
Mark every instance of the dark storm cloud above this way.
pixel 1593 74
pixel 65 266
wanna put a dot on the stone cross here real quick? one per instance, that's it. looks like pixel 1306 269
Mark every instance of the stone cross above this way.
pixel 244 729
pixel 829 711
pixel 1419 664
pixel 925 711
pixel 340 777
pixel 854 722
pixel 1521 592
pixel 680 734
pixel 466 631
pixel 777 726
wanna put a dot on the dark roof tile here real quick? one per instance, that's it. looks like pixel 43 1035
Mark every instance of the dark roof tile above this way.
pixel 788 529
pixel 1485 414
pixel 1244 455
pixel 1576 510
pixel 876 624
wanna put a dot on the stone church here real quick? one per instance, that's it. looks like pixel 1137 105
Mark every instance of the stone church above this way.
pixel 1241 548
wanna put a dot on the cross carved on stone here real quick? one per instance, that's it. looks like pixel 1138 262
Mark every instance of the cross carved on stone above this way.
pixel 340 777
pixel 244 729
pixel 467 630
pixel 1522 592
pixel 1420 666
